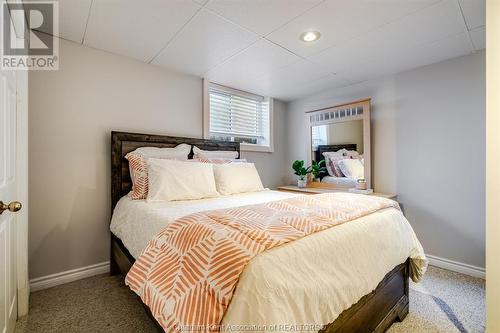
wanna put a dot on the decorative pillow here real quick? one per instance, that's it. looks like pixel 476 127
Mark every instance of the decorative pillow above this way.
pixel 331 163
pixel 235 178
pixel 209 154
pixel 350 153
pixel 219 160
pixel 171 180
pixel 352 168
pixel 137 160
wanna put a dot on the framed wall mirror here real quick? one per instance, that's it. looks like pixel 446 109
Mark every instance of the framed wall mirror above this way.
pixel 340 135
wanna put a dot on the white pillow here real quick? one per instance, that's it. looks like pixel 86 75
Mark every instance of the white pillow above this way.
pixel 139 169
pixel 171 180
pixel 202 154
pixel 352 168
pixel 331 161
pixel 235 178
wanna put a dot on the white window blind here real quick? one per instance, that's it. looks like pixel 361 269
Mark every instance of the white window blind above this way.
pixel 319 136
pixel 238 117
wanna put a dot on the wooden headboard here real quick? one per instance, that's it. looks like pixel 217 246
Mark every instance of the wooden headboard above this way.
pixel 318 154
pixel 122 143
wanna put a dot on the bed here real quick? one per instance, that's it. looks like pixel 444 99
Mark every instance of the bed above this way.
pixel 380 304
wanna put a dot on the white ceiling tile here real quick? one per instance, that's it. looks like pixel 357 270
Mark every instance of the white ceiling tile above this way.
pixel 474 13
pixel 17 18
pixel 432 23
pixel 296 74
pixel 422 55
pixel 340 20
pixel 425 26
pixel 278 80
pixel 206 41
pixel 261 16
pixel 408 58
pixel 479 38
pixel 298 78
pixel 136 30
pixel 257 60
pixel 289 92
pixel 73 15
pixel 343 56
pixel 361 39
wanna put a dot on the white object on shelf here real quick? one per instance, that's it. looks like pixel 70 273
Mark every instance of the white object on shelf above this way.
pixel 368 191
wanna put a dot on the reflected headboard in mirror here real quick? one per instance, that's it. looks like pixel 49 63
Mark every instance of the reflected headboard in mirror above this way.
pixel 318 154
pixel 345 126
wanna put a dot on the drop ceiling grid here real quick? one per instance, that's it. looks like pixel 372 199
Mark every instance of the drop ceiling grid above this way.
pixel 310 58
pixel 340 21
pixel 385 41
pixel 447 37
pixel 271 15
pixel 210 35
pixel 318 7
pixel 409 58
pixel 312 63
pixel 314 3
pixel 131 28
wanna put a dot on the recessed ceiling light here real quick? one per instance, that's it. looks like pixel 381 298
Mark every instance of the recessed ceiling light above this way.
pixel 310 36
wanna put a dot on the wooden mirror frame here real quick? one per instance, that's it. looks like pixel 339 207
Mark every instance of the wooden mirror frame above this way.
pixel 366 105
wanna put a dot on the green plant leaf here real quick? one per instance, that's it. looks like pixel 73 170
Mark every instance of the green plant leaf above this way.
pixel 298 167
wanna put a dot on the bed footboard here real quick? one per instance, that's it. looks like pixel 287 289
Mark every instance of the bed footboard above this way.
pixel 377 311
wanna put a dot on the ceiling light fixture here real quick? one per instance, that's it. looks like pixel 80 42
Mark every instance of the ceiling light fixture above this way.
pixel 310 36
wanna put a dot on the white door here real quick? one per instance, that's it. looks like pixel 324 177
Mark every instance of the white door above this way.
pixel 8 193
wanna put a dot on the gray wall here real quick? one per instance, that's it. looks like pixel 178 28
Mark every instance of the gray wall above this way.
pixel 428 146
pixel 72 112
pixel 272 167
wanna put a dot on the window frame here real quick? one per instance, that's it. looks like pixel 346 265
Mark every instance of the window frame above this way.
pixel 243 146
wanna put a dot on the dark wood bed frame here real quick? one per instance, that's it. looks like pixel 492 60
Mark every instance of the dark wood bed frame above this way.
pixel 374 312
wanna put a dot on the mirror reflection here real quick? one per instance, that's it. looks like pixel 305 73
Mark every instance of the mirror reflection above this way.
pixel 341 145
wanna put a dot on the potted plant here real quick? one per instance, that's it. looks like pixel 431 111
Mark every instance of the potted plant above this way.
pixel 301 171
pixel 317 169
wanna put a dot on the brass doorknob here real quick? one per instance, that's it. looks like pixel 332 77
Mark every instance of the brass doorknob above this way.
pixel 14 206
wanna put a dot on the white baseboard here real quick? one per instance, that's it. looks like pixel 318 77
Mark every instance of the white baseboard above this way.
pixel 457 266
pixel 102 268
pixel 53 280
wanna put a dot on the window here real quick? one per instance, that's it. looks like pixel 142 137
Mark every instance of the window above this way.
pixel 319 136
pixel 238 116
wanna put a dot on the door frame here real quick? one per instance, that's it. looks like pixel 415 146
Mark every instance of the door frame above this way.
pixel 23 286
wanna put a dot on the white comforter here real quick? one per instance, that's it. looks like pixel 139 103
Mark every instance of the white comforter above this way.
pixel 306 282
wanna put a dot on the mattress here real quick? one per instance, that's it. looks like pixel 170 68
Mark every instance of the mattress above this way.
pixel 135 222
pixel 339 180
pixel 306 282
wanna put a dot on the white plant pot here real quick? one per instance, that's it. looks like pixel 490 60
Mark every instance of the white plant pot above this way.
pixel 301 182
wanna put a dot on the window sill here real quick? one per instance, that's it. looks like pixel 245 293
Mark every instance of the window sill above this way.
pixel 256 148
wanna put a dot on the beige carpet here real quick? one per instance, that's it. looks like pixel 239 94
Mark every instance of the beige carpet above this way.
pixel 443 302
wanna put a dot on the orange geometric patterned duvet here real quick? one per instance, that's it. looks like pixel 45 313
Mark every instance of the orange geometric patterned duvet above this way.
pixel 188 273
